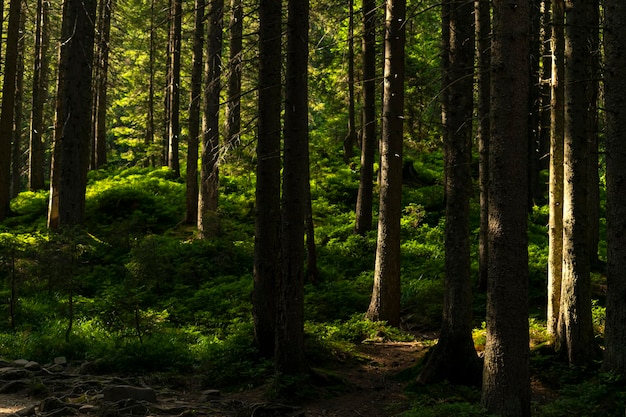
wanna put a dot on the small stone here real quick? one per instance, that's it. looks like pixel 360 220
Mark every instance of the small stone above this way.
pixel 60 360
pixel 20 362
pixel 32 366
pixel 89 409
pixel 55 369
pixel 122 392
pixel 210 394
pixel 12 387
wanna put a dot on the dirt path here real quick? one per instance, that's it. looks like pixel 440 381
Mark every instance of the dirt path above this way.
pixel 369 388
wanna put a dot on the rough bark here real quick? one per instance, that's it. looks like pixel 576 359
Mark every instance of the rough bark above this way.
pixel 289 353
pixel 506 373
pixel 8 105
pixel 483 47
pixel 385 301
pixel 350 140
pixel 36 155
pixel 267 208
pixel 615 105
pixel 575 328
pixel 17 165
pixel 454 357
pixel 368 139
pixel 194 115
pixel 233 108
pixel 209 167
pixel 173 108
pixel 555 221
pixel 101 69
pixel 73 123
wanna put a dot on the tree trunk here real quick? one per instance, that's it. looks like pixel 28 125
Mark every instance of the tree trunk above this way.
pixel 36 156
pixel 149 139
pixel 101 68
pixel 289 353
pixel 615 105
pixel 555 222
pixel 368 139
pixel 506 374
pixel 194 115
pixel 17 164
pixel 483 47
pixel 267 209
pixel 385 302
pixel 173 119
pixel 209 172
pixel 233 109
pixel 454 357
pixel 350 140
pixel 575 329
pixel 73 123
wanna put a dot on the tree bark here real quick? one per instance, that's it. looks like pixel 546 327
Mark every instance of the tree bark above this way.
pixel 289 353
pixel 369 141
pixel 233 108
pixel 8 105
pixel 101 69
pixel 385 301
pixel 173 108
pixel 267 209
pixel 506 374
pixel 17 164
pixel 575 328
pixel 454 357
pixel 36 155
pixel 73 123
pixel 615 105
pixel 483 46
pixel 194 115
pixel 350 140
pixel 209 171
pixel 555 221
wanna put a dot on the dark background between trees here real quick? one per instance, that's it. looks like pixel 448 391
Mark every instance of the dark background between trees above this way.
pixel 257 182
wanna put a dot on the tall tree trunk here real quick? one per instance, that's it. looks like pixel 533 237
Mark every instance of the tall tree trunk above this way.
pixel 369 142
pixel 454 357
pixel 194 115
pixel 73 124
pixel 267 209
pixel 593 84
pixel 350 140
pixel 536 188
pixel 101 68
pixel 149 139
pixel 209 172
pixel 233 108
pixel 575 328
pixel 555 222
pixel 483 47
pixel 8 105
pixel 615 105
pixel 17 164
pixel 385 302
pixel 173 118
pixel 506 374
pixel 36 156
pixel 289 353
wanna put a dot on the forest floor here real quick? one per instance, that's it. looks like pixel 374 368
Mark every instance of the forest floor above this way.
pixel 364 384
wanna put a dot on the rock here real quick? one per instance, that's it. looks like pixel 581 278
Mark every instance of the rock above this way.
pixel 121 392
pixel 51 404
pixel 55 368
pixel 12 374
pixel 60 360
pixel 25 412
pixel 12 387
pixel 89 409
pixel 32 366
pixel 20 362
pixel 210 394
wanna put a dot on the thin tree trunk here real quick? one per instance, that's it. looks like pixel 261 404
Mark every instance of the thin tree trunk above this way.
pixel 483 47
pixel 149 139
pixel 555 221
pixel 194 115
pixel 233 108
pixel 8 105
pixel 365 194
pixel 350 139
pixel 102 65
pixel 173 119
pixel 385 302
pixel 36 154
pixel 17 165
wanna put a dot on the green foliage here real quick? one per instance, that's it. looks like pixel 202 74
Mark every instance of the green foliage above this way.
pixel 445 399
